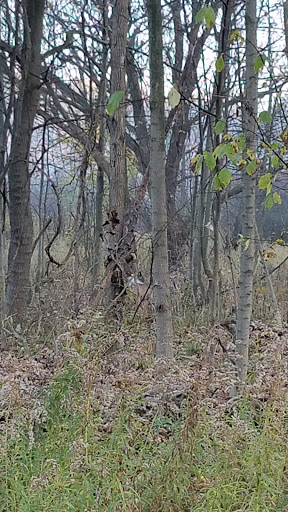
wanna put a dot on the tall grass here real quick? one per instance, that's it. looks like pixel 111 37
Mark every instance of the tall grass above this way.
pixel 67 462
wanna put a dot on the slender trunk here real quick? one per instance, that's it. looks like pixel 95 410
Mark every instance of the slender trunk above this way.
pixel 249 184
pixel 118 181
pixel 274 302
pixel 97 253
pixel 97 260
pixel 285 7
pixel 21 224
pixel 40 255
pixel 214 312
pixel 97 256
pixel 206 198
pixel 78 230
pixel 2 256
pixel 219 111
pixel 3 141
pixel 160 274
pixel 193 200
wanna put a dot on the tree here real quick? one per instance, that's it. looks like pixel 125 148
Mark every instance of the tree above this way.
pixel 250 109
pixel 21 224
pixel 160 274
pixel 118 179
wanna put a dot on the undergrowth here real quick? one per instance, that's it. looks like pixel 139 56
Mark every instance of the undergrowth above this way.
pixel 66 461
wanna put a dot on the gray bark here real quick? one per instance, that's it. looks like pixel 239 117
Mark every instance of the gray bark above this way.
pixel 274 303
pixel 245 298
pixel 20 249
pixel 285 7
pixel 160 275
pixel 219 111
pixel 3 143
pixel 118 177
pixel 97 256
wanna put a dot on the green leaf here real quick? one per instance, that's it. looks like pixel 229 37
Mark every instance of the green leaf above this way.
pixel 210 17
pixel 277 198
pixel 217 183
pixel 246 245
pixel 225 177
pixel 209 160
pixel 268 190
pixel 174 97
pixel 242 142
pixel 265 117
pixel 220 150
pixel 230 151
pixel 236 36
pixel 251 167
pixel 275 161
pixel 264 181
pixel 200 16
pixel 219 127
pixel 259 62
pixel 114 102
pixel 220 64
pixel 269 202
pixel 199 164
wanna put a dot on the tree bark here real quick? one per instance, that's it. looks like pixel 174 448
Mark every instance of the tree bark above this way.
pixel 97 253
pixel 118 178
pixel 285 8
pixel 273 299
pixel 219 111
pixel 249 185
pixel 4 122
pixel 20 249
pixel 160 274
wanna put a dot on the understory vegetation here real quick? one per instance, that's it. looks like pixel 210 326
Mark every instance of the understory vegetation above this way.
pixel 89 422
pixel 143 256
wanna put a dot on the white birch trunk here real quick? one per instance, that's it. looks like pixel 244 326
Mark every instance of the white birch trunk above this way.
pixel 245 298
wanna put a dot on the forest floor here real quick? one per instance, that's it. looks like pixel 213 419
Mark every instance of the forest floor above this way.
pixel 91 423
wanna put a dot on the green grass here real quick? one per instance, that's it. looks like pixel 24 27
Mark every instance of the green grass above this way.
pixel 65 462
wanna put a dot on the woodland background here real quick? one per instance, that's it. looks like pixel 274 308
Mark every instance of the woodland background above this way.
pixel 143 255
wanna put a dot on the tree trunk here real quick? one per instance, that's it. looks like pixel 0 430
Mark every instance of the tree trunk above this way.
pixel 273 299
pixel 97 260
pixel 160 274
pixel 20 249
pixel 118 179
pixel 219 111
pixel 285 8
pixel 40 256
pixel 249 184
pixel 3 143
pixel 97 254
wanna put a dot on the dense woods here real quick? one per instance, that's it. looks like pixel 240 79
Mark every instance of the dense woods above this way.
pixel 143 255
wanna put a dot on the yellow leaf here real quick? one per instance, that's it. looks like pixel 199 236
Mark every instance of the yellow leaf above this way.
pixel 250 153
pixel 194 160
pixel 242 163
pixel 284 136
